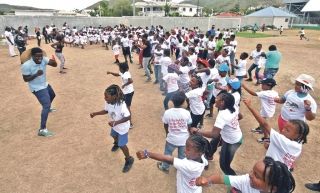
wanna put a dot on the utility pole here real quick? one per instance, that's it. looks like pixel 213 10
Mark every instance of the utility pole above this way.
pixel 198 9
pixel 134 8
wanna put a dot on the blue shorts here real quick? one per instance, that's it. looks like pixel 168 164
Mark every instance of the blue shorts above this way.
pixel 122 139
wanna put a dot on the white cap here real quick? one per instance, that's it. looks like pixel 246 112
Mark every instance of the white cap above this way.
pixel 306 80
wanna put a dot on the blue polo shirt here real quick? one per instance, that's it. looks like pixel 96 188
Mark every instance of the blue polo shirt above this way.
pixel 30 68
pixel 273 59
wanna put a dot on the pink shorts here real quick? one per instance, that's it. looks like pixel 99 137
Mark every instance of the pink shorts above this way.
pixel 281 123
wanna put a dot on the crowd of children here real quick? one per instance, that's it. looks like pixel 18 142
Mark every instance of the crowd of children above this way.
pixel 202 69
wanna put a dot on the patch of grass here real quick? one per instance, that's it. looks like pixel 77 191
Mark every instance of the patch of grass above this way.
pixel 306 27
pixel 253 35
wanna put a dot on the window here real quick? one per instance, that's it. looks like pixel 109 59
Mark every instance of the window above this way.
pixel 184 9
pixel 190 9
pixel 286 20
pixel 148 9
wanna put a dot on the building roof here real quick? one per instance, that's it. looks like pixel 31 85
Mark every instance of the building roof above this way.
pixel 162 4
pixel 311 6
pixel 271 12
pixel 294 1
pixel 228 14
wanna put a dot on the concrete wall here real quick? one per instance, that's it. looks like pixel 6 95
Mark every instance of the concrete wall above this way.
pixel 203 23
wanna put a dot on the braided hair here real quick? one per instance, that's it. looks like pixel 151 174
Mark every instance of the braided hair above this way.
pixel 228 100
pixel 302 128
pixel 200 143
pixel 278 177
pixel 115 90
pixel 199 81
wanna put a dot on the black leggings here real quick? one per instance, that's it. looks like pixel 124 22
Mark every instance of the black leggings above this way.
pixel 196 119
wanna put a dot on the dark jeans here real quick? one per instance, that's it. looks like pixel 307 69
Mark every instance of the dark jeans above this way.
pixel 45 98
pixel 226 157
pixel 213 146
pixel 270 72
pixel 252 67
pixel 196 119
pixel 21 49
pixel 167 99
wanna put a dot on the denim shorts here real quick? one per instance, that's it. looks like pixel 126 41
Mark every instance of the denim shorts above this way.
pixel 121 139
pixel 128 98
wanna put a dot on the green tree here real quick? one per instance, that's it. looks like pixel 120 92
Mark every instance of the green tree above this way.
pixel 104 8
pixel 121 8
pixel 206 11
pixel 166 9
pixel 236 8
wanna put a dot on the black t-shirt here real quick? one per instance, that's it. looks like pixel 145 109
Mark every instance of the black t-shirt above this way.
pixel 147 50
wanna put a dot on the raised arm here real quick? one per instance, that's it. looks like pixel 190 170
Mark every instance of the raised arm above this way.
pixel 156 156
pixel 249 90
pixel 103 112
pixel 213 133
pixel 257 116
pixel 113 73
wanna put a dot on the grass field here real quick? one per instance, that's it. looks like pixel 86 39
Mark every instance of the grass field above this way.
pixel 254 35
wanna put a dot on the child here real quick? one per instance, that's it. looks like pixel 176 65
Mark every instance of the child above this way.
pixel 195 100
pixel 223 58
pixel 127 85
pixel 226 130
pixel 116 50
pixel 120 115
pixel 240 67
pixel 189 168
pixel 176 121
pixel 184 73
pixel 220 84
pixel 267 176
pixel 261 63
pixel 255 55
pixel 158 53
pixel 302 34
pixel 165 61
pixel 58 46
pixel 171 80
pixel 268 106
pixel 285 146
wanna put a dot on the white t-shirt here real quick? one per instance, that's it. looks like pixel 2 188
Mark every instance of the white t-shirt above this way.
pixel 116 49
pixel 242 183
pixel 165 62
pixel 157 56
pixel 222 82
pixel 220 60
pixel 262 62
pixel 125 42
pixel 211 45
pixel 293 108
pixel 241 71
pixel 195 99
pixel 229 125
pixel 178 120
pixel 268 106
pixel 235 44
pixel 116 113
pixel 283 149
pixel 256 55
pixel 172 82
pixel 237 99
pixel 193 60
pixel 187 173
pixel 9 35
pixel 184 77
pixel 125 78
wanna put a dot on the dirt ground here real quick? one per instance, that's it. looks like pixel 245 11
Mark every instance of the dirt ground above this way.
pixel 78 157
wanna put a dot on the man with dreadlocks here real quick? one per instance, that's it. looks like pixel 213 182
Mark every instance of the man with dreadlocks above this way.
pixel 267 176
pixel 120 116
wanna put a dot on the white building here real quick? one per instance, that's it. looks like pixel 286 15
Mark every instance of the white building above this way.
pixel 40 12
pixel 156 8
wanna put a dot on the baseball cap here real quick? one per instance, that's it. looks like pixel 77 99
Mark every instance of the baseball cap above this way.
pixel 269 81
pixel 234 83
pixel 223 67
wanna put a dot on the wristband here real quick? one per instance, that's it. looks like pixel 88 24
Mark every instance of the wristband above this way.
pixel 146 153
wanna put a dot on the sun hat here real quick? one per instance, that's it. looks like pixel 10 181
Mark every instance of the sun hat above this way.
pixel 306 80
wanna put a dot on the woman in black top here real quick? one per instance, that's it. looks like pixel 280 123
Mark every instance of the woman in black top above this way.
pixel 146 46
pixel 58 46
pixel 38 34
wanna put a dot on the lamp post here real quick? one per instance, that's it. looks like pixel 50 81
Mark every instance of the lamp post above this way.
pixel 134 7
pixel 198 9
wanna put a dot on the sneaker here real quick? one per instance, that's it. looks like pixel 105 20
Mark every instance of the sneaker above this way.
pixel 249 79
pixel 263 139
pixel 114 148
pixel 160 167
pixel 45 133
pixel 208 115
pixel 313 186
pixel 128 164
pixel 257 130
pixel 52 110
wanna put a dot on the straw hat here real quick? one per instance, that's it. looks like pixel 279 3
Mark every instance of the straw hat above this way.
pixel 26 55
pixel 306 80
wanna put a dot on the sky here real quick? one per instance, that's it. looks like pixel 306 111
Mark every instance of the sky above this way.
pixel 55 4
pixel 52 4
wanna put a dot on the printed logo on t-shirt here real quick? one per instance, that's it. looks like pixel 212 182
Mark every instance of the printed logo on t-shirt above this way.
pixel 192 182
pixel 176 124
pixel 291 106
pixel 288 160
pixel 234 122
